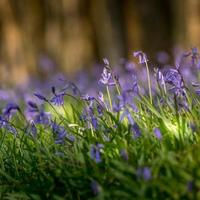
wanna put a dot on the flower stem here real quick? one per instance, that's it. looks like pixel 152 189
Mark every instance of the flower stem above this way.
pixel 149 81
pixel 109 98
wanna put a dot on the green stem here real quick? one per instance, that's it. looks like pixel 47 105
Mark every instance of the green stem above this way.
pixel 109 98
pixel 149 81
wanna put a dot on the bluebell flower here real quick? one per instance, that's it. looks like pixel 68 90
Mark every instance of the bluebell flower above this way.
pixel 105 76
pixel 173 77
pixel 159 77
pixel 141 56
pixel 197 88
pixel 86 97
pixel 95 152
pixel 101 97
pixel 32 130
pixel 11 129
pixel 5 124
pixel 190 186
pixel 106 62
pixel 144 173
pixel 100 110
pixel 124 154
pixel 40 96
pixel 61 134
pixel 37 114
pixel 127 114
pixel 157 133
pixel 32 107
pixel 95 187
pixel 136 130
pixel 2 121
pixel 42 117
pixel 10 107
pixel 94 122
pixel 58 98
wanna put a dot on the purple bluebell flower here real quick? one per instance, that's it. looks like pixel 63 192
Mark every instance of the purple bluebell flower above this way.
pixel 86 97
pixel 100 110
pixel 37 114
pixel 57 99
pixel 95 187
pixel 157 133
pixel 144 173
pixel 61 133
pixel 94 122
pixel 190 186
pixel 136 130
pixel 159 77
pixel 124 154
pixel 2 121
pixel 141 56
pixel 101 97
pixel 5 124
pixel 11 129
pixel 197 88
pixel 40 96
pixel 42 117
pixel 127 114
pixel 10 107
pixel 95 152
pixel 173 77
pixel 32 130
pixel 106 76
pixel 32 107
pixel 106 62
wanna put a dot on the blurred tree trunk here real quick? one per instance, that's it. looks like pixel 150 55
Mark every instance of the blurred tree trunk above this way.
pixel 108 28
pixel 133 27
pixel 75 33
pixel 193 22
pixel 13 68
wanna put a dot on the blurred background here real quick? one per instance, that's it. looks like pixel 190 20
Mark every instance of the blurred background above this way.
pixel 39 37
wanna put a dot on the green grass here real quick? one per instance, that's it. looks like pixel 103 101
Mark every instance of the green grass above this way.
pixel 37 168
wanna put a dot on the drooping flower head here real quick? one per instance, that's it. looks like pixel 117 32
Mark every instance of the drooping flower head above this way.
pixel 58 98
pixel 106 76
pixel 40 96
pixel 37 114
pixel 9 108
pixel 141 56
pixel 159 77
